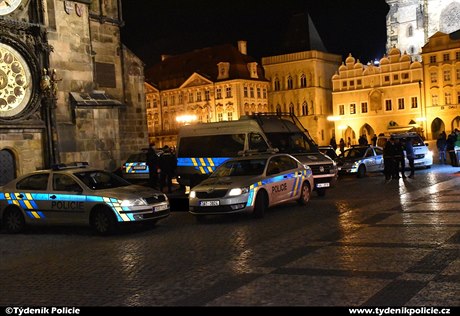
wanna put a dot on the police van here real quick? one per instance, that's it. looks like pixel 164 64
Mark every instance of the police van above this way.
pixel 204 146
pixel 423 156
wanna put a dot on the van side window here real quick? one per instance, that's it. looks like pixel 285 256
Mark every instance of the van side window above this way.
pixel 257 142
pixel 211 146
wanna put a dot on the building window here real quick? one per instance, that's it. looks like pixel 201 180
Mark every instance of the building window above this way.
pixel 388 106
pixel 458 97
pixel 395 77
pixel 245 92
pixel 457 71
pixel 265 93
pixel 155 103
pixel 207 95
pixel 277 85
pixel 304 108
pixel 457 55
pixel 445 57
pixel 165 102
pixel 219 93
pixel 432 59
pixel 401 104
pixel 303 81
pixel 352 108
pixel 359 82
pixel 198 96
pixel 446 75
pixel 220 117
pixel 289 82
pixel 190 97
pixel 363 107
pixel 341 109
pixel 251 92
pixel 291 108
pixel 448 98
pixel 352 83
pixel 434 99
pixel 386 78
pixel 344 84
pixel 258 93
pixel 181 98
pixel 230 116
pixel 410 31
pixel 433 77
pixel 414 102
pixel 228 92
pixel 405 75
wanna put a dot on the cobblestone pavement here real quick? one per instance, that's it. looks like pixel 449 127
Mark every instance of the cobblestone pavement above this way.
pixel 367 243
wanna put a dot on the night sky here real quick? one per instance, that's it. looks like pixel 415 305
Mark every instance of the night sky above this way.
pixel 154 27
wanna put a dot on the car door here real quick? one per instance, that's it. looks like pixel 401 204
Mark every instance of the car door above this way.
pixel 371 163
pixel 279 179
pixel 378 158
pixel 67 203
pixel 31 195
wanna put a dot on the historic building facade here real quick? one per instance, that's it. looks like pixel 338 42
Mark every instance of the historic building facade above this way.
pixel 69 90
pixel 219 83
pixel 300 83
pixel 411 22
pixel 441 65
pixel 371 99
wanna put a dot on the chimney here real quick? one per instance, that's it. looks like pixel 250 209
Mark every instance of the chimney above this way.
pixel 243 47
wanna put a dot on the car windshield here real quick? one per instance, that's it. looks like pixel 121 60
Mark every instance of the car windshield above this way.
pixel 354 152
pixel 234 168
pixel 100 180
pixel 291 143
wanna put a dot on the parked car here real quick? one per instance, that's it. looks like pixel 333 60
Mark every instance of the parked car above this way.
pixel 78 194
pixel 135 167
pixel 252 184
pixel 423 155
pixel 330 152
pixel 361 159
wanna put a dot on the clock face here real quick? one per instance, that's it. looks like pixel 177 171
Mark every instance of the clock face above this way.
pixel 15 82
pixel 8 6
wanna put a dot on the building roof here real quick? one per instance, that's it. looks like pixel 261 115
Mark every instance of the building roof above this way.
pixel 173 71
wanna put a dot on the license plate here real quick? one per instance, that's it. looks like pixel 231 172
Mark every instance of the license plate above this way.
pixel 160 208
pixel 139 167
pixel 323 185
pixel 209 203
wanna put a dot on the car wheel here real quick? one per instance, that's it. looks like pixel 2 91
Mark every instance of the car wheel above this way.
pixel 14 221
pixel 305 194
pixel 321 192
pixel 103 222
pixel 361 171
pixel 260 205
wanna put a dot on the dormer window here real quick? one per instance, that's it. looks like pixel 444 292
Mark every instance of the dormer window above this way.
pixel 252 67
pixel 224 70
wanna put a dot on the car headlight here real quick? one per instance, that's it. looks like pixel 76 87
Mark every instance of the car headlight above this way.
pixel 133 202
pixel 192 194
pixel 238 191
pixel 430 153
pixel 357 163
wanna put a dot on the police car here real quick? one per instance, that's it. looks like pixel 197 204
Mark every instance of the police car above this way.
pixel 252 184
pixel 135 167
pixel 78 194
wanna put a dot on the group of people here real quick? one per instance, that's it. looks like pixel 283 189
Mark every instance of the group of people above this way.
pixel 394 154
pixel 161 168
pixel 446 145
pixel 362 141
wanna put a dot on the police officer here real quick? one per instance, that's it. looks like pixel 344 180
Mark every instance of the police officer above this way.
pixel 152 163
pixel 167 163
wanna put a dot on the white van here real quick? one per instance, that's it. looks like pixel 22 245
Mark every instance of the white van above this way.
pixel 204 146
pixel 423 156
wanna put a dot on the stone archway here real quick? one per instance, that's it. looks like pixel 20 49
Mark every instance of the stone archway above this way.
pixel 456 123
pixel 437 126
pixel 349 136
pixel 7 166
pixel 367 131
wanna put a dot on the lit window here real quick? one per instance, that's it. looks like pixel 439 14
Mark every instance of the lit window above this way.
pixel 352 108
pixel 364 107
pixel 341 109
pixel 400 104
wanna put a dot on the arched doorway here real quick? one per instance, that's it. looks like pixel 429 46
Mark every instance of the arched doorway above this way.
pixel 456 123
pixel 7 166
pixel 349 136
pixel 367 131
pixel 437 126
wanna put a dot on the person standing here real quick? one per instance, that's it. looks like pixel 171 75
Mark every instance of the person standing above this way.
pixel 152 163
pixel 388 158
pixel 441 143
pixel 374 140
pixel 342 146
pixel 450 148
pixel 399 159
pixel 168 164
pixel 408 146
pixel 333 143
